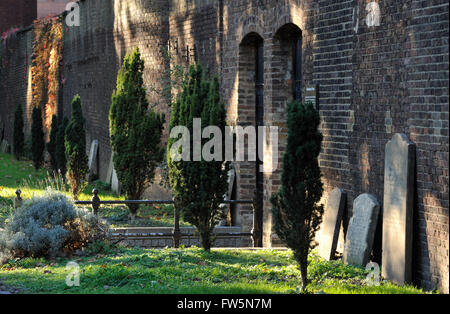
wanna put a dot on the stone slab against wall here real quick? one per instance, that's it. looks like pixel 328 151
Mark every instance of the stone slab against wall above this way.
pixel 398 209
pixel 361 230
pixel 332 223
pixel 93 153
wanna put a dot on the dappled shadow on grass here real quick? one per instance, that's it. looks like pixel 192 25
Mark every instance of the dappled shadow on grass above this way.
pixel 150 272
pixel 189 271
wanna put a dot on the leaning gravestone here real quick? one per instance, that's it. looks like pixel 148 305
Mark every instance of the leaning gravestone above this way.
pixel 93 158
pixel 361 230
pixel 398 209
pixel 115 184
pixel 332 223
pixel 4 148
pixel 110 170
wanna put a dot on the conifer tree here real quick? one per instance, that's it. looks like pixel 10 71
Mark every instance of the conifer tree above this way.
pixel 51 145
pixel 60 148
pixel 296 212
pixel 198 186
pixel 19 137
pixel 37 138
pixel 135 131
pixel 75 145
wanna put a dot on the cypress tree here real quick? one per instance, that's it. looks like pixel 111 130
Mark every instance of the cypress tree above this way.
pixel 51 145
pixel 198 186
pixel 75 145
pixel 37 138
pixel 60 149
pixel 135 131
pixel 296 212
pixel 19 137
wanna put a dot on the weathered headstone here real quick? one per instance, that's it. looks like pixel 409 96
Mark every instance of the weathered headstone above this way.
pixel 332 223
pixel 4 148
pixel 115 184
pixel 110 170
pixel 361 230
pixel 398 209
pixel 93 158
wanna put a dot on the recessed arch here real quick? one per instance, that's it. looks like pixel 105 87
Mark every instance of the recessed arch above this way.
pixel 251 113
pixel 288 52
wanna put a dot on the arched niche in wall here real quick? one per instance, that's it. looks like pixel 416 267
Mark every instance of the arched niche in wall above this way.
pixel 250 113
pixel 287 56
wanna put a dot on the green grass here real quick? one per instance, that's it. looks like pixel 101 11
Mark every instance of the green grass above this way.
pixel 191 271
pixel 135 270
pixel 21 175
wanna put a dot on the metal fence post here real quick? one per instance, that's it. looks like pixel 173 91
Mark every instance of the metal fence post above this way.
pixel 176 227
pixel 95 202
pixel 18 200
pixel 255 230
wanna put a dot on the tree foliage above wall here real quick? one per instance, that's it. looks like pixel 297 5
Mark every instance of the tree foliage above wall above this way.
pixel 47 57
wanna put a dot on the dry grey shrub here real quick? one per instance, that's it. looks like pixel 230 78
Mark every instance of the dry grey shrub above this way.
pixel 48 226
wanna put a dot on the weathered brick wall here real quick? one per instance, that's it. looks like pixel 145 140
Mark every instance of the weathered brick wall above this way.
pixel 427 68
pixel 264 19
pixel 15 81
pixel 17 13
pixel 94 52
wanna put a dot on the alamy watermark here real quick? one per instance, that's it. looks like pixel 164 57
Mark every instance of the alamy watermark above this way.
pixel 73 15
pixel 373 14
pixel 373 278
pixel 262 143
pixel 73 278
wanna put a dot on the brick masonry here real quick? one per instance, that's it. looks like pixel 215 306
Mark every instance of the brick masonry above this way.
pixel 373 82
pixel 17 13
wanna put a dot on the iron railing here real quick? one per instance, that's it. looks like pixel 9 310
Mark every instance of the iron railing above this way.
pixel 177 235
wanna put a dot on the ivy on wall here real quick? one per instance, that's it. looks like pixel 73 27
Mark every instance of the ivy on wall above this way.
pixel 47 57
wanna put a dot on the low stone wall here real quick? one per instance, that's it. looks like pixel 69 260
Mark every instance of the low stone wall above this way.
pixel 159 237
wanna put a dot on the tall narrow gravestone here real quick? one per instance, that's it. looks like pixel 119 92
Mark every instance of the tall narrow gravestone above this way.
pixel 398 209
pixel 115 184
pixel 93 160
pixel 361 230
pixel 332 223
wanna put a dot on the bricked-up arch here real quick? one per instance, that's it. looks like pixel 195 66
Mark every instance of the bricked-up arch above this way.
pixel 285 74
pixel 287 55
pixel 250 113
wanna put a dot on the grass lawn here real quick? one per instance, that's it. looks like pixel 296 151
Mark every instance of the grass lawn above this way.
pixel 190 271
pixel 21 175
pixel 109 269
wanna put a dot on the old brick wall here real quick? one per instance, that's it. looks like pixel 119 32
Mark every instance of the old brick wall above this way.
pixel 17 13
pixel 94 52
pixel 15 81
pixel 427 68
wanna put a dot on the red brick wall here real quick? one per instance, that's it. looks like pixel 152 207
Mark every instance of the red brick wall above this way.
pixel 17 13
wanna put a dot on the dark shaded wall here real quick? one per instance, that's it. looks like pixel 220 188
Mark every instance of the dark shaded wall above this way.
pixel 15 80
pixel 17 13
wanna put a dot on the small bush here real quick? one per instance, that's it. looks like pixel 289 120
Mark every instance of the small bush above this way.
pixel 75 143
pixel 48 226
